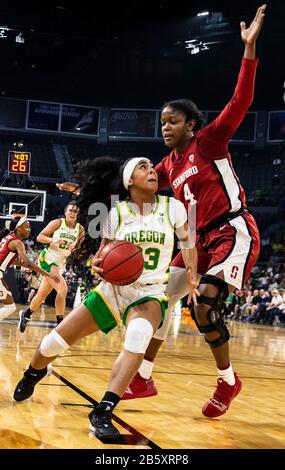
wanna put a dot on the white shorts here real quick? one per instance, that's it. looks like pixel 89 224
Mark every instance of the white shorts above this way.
pixel 234 264
pixel 47 260
pixel 109 305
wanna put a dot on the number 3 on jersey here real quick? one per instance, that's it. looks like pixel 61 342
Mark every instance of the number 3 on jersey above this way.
pixel 188 196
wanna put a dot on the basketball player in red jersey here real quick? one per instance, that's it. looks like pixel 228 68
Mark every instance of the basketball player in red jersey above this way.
pixel 12 250
pixel 200 173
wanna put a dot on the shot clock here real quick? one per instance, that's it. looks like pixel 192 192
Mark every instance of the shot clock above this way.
pixel 19 163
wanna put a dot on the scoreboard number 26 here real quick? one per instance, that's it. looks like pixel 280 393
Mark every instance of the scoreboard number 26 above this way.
pixel 19 162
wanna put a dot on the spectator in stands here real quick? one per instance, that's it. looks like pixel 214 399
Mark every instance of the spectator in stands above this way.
pixel 253 306
pixel 71 291
pixel 34 285
pixel 265 299
pixel 272 309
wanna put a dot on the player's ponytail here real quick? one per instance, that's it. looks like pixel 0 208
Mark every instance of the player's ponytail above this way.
pixel 98 180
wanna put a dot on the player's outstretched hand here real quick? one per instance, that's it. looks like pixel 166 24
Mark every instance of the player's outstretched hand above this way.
pixel 249 35
pixel 67 186
pixel 193 288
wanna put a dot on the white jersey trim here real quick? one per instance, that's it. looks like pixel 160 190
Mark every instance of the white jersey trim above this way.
pixel 237 257
pixel 230 183
pixel 7 260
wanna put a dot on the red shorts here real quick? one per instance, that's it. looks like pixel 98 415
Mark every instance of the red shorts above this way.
pixel 233 248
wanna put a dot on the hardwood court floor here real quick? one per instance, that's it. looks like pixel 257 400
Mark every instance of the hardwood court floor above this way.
pixel 56 417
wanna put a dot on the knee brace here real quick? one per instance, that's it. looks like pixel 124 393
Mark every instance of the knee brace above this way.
pixel 215 314
pixel 138 335
pixel 53 344
pixel 7 310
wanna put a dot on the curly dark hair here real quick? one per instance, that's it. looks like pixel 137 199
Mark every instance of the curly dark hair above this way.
pixel 98 179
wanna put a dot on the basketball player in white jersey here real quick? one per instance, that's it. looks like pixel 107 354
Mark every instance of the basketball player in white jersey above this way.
pixel 12 251
pixel 60 236
pixel 149 221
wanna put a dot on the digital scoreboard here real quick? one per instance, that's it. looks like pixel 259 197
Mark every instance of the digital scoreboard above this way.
pixel 19 163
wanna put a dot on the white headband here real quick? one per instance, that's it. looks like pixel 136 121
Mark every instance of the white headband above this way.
pixel 129 168
pixel 21 222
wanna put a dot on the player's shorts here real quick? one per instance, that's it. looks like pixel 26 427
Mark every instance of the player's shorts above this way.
pixel 47 261
pixel 233 248
pixel 4 288
pixel 109 305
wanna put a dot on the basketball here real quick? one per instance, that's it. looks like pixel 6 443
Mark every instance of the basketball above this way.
pixel 122 262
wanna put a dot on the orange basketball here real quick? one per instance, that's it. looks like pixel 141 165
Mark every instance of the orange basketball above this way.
pixel 122 262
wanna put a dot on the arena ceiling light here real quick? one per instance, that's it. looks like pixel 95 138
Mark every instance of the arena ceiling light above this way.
pixel 3 32
pixel 203 13
pixel 20 38
pixel 194 46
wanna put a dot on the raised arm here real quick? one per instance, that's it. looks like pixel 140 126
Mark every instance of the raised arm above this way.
pixel 213 139
pixel 249 35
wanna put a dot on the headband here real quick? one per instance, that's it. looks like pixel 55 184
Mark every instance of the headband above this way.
pixel 21 222
pixel 129 168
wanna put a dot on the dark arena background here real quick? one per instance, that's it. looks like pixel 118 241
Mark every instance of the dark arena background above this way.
pixel 82 80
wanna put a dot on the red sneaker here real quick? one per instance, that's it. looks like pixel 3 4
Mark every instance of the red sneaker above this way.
pixel 140 388
pixel 219 403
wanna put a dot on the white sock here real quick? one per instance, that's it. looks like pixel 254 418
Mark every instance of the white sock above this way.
pixel 146 368
pixel 227 375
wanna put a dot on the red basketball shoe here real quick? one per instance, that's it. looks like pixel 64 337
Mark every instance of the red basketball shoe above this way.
pixel 219 403
pixel 140 388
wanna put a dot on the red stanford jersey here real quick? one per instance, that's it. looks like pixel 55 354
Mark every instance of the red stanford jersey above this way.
pixel 203 174
pixel 7 257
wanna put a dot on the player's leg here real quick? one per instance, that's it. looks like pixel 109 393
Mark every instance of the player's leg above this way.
pixel 25 314
pixel 242 246
pixel 7 300
pixel 60 299
pixel 142 385
pixel 32 294
pixel 61 291
pixel 142 321
pixel 209 319
pixel 79 323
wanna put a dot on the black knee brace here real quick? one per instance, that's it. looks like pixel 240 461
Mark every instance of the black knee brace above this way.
pixel 215 314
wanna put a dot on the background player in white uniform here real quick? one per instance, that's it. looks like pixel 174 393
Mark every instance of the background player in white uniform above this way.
pixel 12 250
pixel 149 221
pixel 61 236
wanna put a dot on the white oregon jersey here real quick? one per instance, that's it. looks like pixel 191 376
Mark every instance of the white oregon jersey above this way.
pixel 67 235
pixel 154 233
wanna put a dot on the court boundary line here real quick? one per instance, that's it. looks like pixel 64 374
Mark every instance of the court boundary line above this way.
pixel 142 440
